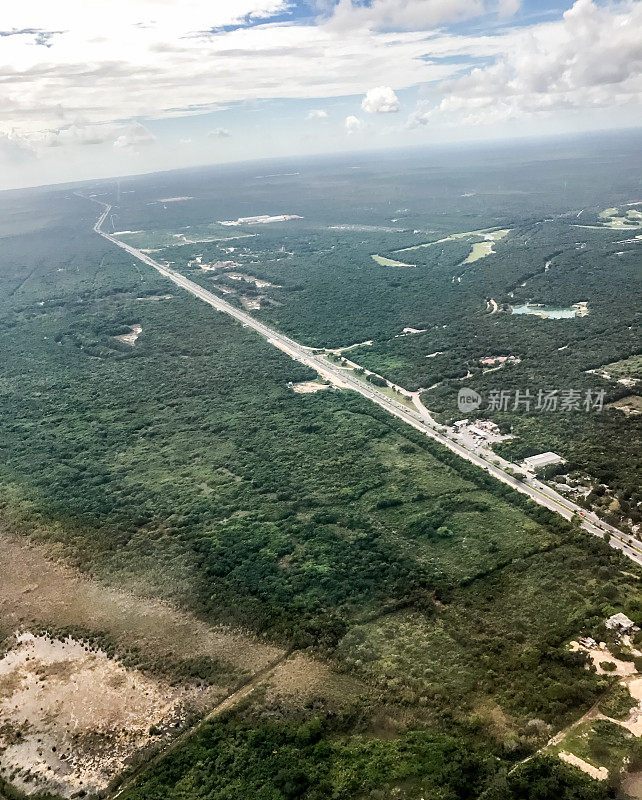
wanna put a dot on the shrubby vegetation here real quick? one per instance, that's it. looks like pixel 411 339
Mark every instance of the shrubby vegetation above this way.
pixel 328 291
pixel 315 761
pixel 186 467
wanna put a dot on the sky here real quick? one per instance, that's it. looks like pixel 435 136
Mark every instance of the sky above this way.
pixel 92 89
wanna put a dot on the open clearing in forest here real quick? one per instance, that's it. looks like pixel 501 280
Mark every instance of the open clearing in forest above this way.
pixel 487 247
pixel 57 693
pixel 130 338
pixel 309 387
pixel 389 262
pixel 36 592
pixel 70 717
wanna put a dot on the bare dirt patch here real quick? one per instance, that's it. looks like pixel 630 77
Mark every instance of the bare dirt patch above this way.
pixel 601 654
pixel 630 405
pixel 38 592
pixel 309 387
pixel 634 722
pixel 599 773
pixel 251 303
pixel 37 595
pixel 130 338
pixel 70 717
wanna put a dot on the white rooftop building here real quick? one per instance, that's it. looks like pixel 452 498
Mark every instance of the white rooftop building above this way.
pixel 620 622
pixel 542 460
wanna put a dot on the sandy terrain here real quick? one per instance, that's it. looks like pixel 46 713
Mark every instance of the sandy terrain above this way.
pixel 251 303
pixel 600 774
pixel 410 332
pixel 69 717
pixel 634 721
pixel 130 338
pixel 309 387
pixel 389 262
pixel 601 653
pixel 52 691
pixel 36 591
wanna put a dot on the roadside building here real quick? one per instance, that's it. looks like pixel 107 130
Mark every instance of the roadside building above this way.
pixel 476 431
pixel 542 460
pixel 487 425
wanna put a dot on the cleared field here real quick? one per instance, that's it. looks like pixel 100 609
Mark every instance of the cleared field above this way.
pixel 390 262
pixel 626 368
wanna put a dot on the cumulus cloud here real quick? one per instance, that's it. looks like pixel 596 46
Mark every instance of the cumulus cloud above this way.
pixel 133 137
pixel 78 134
pixel 219 133
pixel 380 100
pixel 317 113
pixel 149 59
pixel 15 148
pixel 160 71
pixel 591 58
pixel 353 124
pixel 419 117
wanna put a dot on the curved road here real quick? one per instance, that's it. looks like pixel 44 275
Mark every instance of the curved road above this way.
pixel 536 490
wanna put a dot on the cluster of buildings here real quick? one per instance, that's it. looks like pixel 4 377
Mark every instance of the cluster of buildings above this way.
pixel 481 430
pixel 493 361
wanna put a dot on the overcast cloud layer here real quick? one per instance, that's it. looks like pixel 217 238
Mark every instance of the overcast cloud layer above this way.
pixel 120 87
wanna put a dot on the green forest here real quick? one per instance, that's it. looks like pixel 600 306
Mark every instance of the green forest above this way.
pixel 185 467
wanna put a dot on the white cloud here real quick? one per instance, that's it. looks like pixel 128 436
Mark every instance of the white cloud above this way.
pixel 419 117
pixel 133 137
pixel 219 133
pixel 164 16
pixel 104 69
pixel 78 134
pixel 353 124
pixel 15 148
pixel 404 14
pixel 591 58
pixel 380 100
pixel 70 76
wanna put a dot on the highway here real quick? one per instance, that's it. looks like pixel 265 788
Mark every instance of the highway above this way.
pixel 536 490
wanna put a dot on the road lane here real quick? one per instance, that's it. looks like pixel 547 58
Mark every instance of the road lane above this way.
pixel 536 490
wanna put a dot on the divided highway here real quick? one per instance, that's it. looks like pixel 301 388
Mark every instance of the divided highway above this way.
pixel 536 490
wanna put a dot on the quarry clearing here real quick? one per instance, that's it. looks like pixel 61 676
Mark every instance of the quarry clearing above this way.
pixel 573 745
